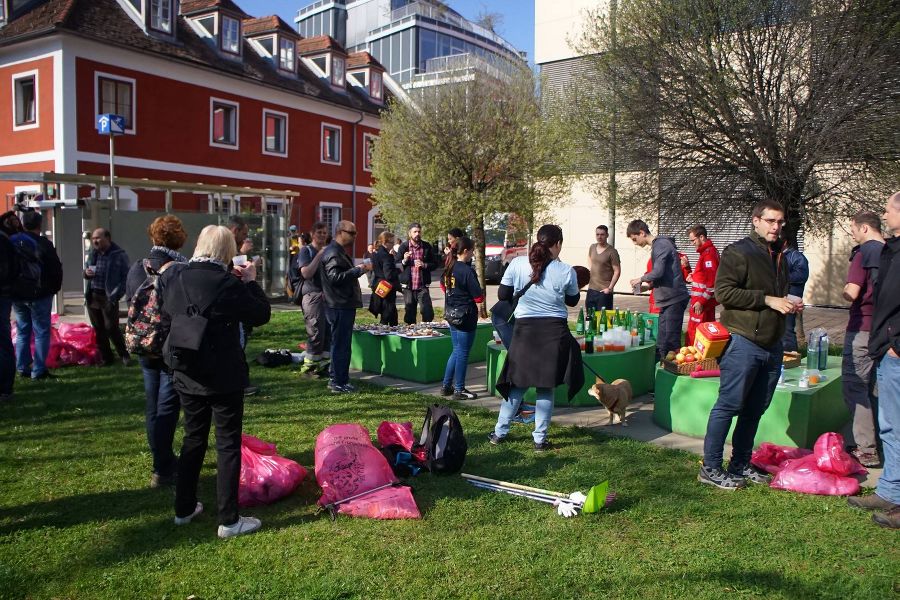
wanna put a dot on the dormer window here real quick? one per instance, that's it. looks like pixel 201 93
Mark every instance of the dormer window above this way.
pixel 208 23
pixel 286 52
pixel 231 35
pixel 338 69
pixel 376 85
pixel 161 15
pixel 268 44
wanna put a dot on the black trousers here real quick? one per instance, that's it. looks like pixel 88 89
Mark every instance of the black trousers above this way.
pixel 420 298
pixel 199 411
pixel 104 318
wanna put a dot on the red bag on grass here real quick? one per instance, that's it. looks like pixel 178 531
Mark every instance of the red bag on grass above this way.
pixel 265 476
pixel 347 464
pixel 396 434
pixel 79 344
pixel 803 475
pixel 832 458
pixel 771 457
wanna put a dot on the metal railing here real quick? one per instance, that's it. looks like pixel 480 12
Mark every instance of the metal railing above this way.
pixel 447 15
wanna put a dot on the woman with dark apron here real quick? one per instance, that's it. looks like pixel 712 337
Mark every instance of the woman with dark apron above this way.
pixel 543 354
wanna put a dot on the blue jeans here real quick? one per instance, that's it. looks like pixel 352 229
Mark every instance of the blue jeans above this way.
pixel 668 333
pixel 789 341
pixel 161 412
pixel 33 316
pixel 459 358
pixel 888 425
pixel 341 322
pixel 543 410
pixel 596 299
pixel 7 353
pixel 749 376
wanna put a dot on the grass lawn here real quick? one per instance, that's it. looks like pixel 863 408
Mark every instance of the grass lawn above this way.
pixel 77 519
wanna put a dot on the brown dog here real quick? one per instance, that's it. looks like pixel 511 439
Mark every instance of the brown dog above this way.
pixel 615 396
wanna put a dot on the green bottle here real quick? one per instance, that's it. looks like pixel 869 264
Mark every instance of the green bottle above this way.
pixel 589 337
pixel 641 331
pixel 579 324
pixel 601 327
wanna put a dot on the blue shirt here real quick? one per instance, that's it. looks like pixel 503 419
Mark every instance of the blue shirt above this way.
pixel 547 297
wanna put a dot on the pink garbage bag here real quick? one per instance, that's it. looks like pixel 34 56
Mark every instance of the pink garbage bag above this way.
pixel 396 434
pixel 832 458
pixel 803 475
pixel 771 457
pixel 80 343
pixel 265 476
pixel 347 465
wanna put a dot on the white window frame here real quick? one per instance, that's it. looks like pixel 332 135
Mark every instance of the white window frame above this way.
pixel 132 118
pixel 335 72
pixel 284 117
pixel 366 137
pixel 320 210
pixel 237 123
pixel 33 74
pixel 161 6
pixel 376 76
pixel 340 140
pixel 223 31
pixel 215 18
pixel 292 46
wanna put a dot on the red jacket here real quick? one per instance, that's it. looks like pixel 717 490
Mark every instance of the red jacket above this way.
pixel 703 279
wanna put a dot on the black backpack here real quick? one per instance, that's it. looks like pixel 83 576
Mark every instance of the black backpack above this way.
pixel 29 269
pixel 443 439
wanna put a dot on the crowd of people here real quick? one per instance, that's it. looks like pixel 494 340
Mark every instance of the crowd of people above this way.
pixel 208 304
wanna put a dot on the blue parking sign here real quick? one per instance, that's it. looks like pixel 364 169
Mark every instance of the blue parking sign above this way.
pixel 108 124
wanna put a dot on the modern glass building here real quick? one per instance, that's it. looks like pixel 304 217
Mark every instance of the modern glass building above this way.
pixel 417 41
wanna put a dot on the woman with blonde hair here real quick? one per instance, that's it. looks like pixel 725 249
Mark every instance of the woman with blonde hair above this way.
pixel 209 369
pixel 162 407
pixel 384 268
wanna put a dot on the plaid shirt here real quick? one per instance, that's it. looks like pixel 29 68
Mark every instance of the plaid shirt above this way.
pixel 417 252
pixel 101 266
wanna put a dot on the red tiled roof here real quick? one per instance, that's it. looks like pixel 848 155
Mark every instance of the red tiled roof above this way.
pixel 362 59
pixel 193 6
pixel 272 24
pixel 105 22
pixel 41 18
pixel 319 43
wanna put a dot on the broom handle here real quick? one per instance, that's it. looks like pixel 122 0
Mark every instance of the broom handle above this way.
pixel 515 486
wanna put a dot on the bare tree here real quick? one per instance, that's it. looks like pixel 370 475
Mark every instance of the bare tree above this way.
pixel 795 100
pixel 466 150
pixel 490 20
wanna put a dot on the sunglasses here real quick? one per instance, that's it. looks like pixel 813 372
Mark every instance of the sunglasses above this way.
pixel 348 232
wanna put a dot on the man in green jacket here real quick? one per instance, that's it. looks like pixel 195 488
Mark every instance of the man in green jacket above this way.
pixel 751 285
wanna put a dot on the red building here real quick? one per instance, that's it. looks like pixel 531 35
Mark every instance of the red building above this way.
pixel 209 94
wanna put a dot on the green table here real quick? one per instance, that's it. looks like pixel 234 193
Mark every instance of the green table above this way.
pixel 635 364
pixel 794 418
pixel 415 359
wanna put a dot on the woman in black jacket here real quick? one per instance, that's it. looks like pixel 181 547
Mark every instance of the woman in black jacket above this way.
pixel 384 268
pixel 460 284
pixel 211 380
pixel 162 407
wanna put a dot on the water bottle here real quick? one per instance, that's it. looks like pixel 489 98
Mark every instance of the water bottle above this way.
pixel 823 352
pixel 812 351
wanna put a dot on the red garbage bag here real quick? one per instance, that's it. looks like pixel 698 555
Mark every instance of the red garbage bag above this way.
pixel 803 475
pixel 81 344
pixel 832 458
pixel 771 457
pixel 396 434
pixel 347 464
pixel 265 476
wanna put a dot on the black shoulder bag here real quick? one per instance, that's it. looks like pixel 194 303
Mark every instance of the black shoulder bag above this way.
pixel 182 346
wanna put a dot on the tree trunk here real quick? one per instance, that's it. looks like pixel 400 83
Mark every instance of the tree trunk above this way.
pixel 478 239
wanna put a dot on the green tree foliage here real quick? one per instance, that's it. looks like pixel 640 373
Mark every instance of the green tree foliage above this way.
pixel 466 150
pixel 795 100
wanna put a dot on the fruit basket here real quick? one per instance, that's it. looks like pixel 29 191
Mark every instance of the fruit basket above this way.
pixel 686 368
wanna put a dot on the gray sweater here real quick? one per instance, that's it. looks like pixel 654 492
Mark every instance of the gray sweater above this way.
pixel 665 276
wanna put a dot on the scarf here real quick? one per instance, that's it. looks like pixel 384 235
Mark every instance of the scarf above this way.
pixel 209 259
pixel 173 254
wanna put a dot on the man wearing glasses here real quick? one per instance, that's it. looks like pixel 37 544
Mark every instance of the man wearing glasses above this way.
pixel 752 287
pixel 340 285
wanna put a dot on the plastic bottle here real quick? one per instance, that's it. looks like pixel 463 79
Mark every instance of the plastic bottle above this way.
pixel 823 352
pixel 812 351
pixel 579 324
pixel 781 376
pixel 804 380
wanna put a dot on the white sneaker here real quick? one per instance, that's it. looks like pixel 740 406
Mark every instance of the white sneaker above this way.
pixel 185 520
pixel 242 526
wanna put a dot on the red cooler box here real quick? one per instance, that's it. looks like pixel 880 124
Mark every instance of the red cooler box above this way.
pixel 711 339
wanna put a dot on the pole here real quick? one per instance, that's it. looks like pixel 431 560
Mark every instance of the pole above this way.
pixel 112 172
